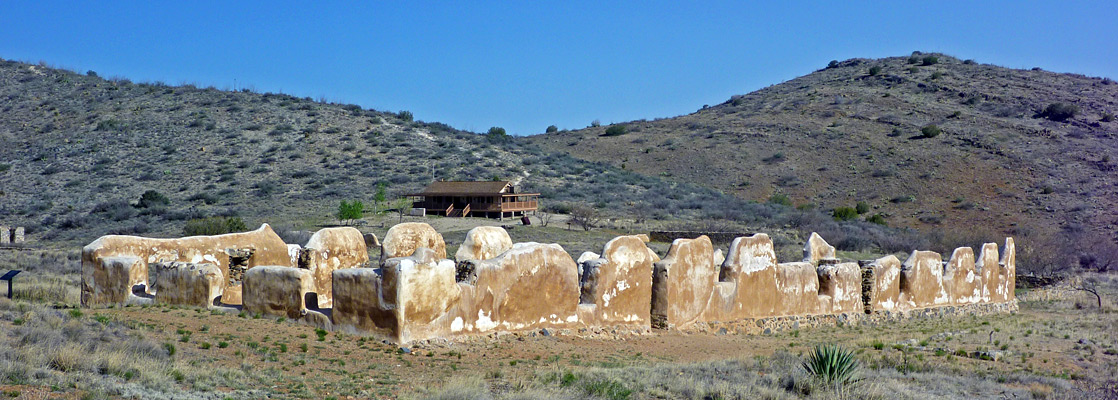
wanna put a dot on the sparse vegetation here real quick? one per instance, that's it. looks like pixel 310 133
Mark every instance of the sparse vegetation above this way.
pixel 214 226
pixel 1059 111
pixel 615 130
pixel 930 131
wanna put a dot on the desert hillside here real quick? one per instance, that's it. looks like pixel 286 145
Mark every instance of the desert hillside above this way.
pixel 993 161
pixel 77 153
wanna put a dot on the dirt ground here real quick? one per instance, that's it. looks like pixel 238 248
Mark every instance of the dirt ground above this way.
pixel 1055 338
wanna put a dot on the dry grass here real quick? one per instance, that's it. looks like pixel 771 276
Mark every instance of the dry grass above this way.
pixel 65 350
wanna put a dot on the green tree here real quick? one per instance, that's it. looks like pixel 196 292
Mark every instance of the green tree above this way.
pixel 496 134
pixel 380 197
pixel 552 129
pixel 406 116
pixel 402 206
pixel 350 211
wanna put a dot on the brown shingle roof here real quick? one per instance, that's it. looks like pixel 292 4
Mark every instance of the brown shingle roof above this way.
pixel 464 187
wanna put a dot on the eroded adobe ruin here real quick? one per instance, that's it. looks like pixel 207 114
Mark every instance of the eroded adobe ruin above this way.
pixel 415 293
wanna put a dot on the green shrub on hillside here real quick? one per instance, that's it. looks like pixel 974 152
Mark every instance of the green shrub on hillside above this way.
pixel 615 130
pixel 214 226
pixel 877 219
pixel 874 70
pixel 1059 111
pixel 780 199
pixel 832 64
pixel 552 129
pixel 844 213
pixel 930 131
pixel 405 116
pixel 929 60
pixel 152 198
pixel 862 207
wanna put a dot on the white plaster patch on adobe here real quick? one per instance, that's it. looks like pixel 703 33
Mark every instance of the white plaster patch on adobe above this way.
pixel 483 322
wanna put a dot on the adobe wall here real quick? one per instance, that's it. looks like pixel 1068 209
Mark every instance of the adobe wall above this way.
pixel 328 250
pixel 616 288
pixel 104 287
pixel 483 243
pixel 188 284
pixel 416 293
pixel 402 240
pixel 752 286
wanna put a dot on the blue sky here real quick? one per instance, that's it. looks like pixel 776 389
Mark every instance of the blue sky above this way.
pixel 527 65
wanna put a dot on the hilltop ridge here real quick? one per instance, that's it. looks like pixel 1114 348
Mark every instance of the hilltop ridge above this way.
pixel 852 132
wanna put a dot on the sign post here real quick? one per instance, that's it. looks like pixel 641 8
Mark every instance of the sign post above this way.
pixel 8 277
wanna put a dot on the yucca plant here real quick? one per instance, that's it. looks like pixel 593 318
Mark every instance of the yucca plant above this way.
pixel 832 364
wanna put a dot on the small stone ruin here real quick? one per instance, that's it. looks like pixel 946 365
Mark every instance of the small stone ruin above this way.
pixel 414 292
pixel 11 235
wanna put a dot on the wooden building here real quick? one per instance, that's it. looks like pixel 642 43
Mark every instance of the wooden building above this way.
pixel 495 199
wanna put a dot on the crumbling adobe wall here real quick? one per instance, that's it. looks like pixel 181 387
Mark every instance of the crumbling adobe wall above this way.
pixel 402 240
pixel 328 250
pixel 989 271
pixel 530 286
pixel 616 289
pixel 683 283
pixel 1007 272
pixel 187 284
pixel 111 281
pixel 960 280
pixel 922 280
pixel 265 247
pixel 483 243
pixel 881 287
pixel 278 290
pixel 840 288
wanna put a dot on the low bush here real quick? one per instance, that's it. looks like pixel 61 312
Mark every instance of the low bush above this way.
pixel 152 198
pixel 615 130
pixel 844 214
pixel 874 70
pixel 214 226
pixel 1059 111
pixel 930 131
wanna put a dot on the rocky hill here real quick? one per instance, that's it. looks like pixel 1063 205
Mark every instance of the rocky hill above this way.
pixel 954 148
pixel 77 152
